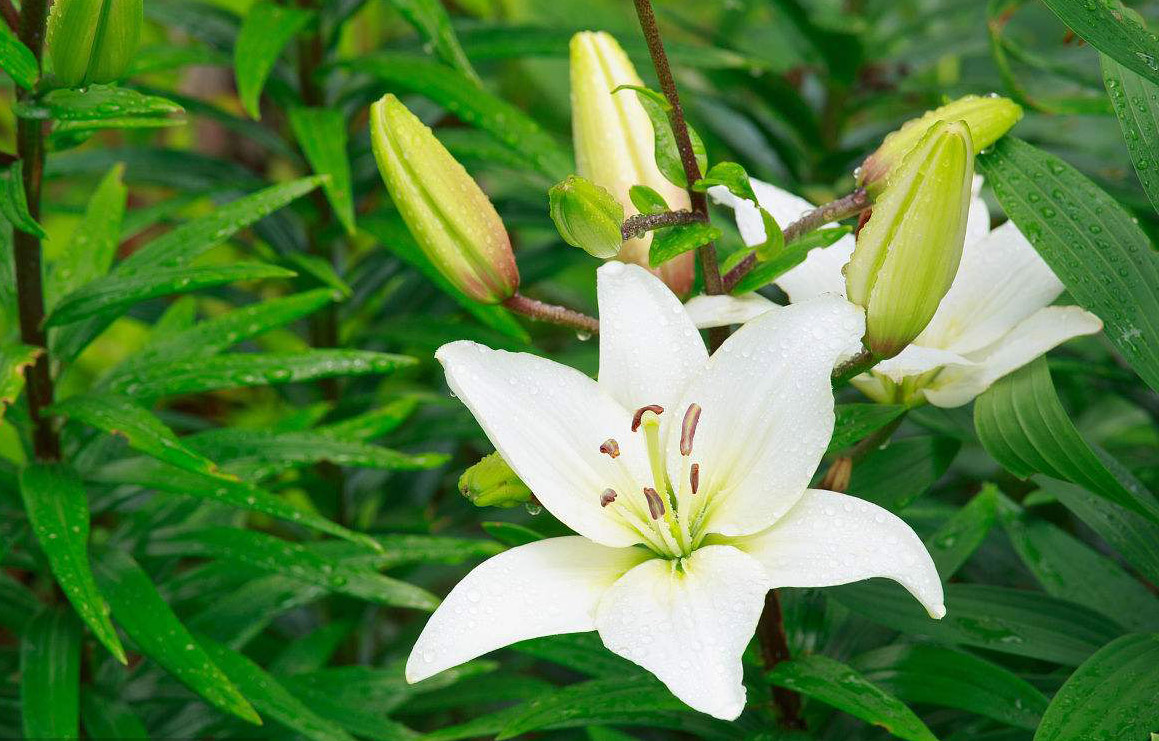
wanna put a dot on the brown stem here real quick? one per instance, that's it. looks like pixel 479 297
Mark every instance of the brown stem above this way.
pixel 560 315
pixel 842 208
pixel 11 16
pixel 856 365
pixel 637 225
pixel 27 254
pixel 713 285
pixel 775 649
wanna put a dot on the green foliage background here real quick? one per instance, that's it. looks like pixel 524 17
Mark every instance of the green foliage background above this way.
pixel 257 504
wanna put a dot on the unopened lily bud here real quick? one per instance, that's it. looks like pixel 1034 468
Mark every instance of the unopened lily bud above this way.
pixel 587 216
pixel 615 144
pixel 93 41
pixel 908 252
pixel 492 483
pixel 446 211
pixel 987 118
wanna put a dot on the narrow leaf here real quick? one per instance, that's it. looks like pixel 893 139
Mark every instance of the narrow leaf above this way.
pixel 667 153
pixel 676 240
pixel 14 204
pixel 105 717
pixel 50 676
pixel 430 18
pixel 897 474
pixel 93 246
pixel 265 32
pixel 857 421
pixel 1136 102
pixel 13 360
pixel 321 133
pixel 95 103
pixel 789 257
pixel 1114 30
pixel 18 61
pixel 57 507
pixel 957 539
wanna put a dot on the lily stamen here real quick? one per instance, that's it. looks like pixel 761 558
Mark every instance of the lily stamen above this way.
pixel 607 497
pixel 655 503
pixel 688 428
pixel 610 448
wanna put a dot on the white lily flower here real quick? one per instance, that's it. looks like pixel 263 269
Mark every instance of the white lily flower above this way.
pixel 995 318
pixel 686 480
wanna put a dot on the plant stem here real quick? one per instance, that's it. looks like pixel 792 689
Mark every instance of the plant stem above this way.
pixel 27 255
pixel 713 285
pixel 856 365
pixel 775 649
pixel 11 15
pixel 637 225
pixel 842 208
pixel 561 315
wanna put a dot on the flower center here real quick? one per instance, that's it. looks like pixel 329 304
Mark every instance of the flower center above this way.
pixel 655 511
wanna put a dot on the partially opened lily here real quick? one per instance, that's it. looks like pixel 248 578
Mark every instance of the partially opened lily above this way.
pixel 686 480
pixel 995 318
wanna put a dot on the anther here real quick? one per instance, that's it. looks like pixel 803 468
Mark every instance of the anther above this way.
pixel 638 417
pixel 688 428
pixel 655 503
pixel 694 477
pixel 610 448
pixel 607 497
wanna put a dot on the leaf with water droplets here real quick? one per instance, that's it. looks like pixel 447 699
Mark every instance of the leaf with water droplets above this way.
pixel 321 133
pixel 13 360
pixel 149 621
pixel 1111 696
pixel 267 29
pixel 93 244
pixel 1021 422
pixel 900 472
pixel 674 241
pixel 14 204
pixel 58 510
pixel 1136 103
pixel 959 536
pixel 95 103
pixel 1092 244
pixel 1113 29
pixel 272 555
pixel 836 684
pixel 50 676
pixel 856 421
pixel 17 60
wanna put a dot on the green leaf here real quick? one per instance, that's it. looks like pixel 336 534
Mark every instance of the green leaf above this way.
pixel 791 256
pixel 936 675
pixel 270 697
pixel 1020 421
pixel 897 474
pixel 115 293
pixel 93 245
pixel 461 96
pixel 1067 568
pixel 271 555
pixel 50 676
pixel 1114 30
pixel 614 701
pixel 1112 695
pixel 321 133
pixel 857 421
pixel 732 176
pixel 1136 103
pixel 240 370
pixel 674 241
pixel 120 415
pixel 667 153
pixel 646 200
pixel 149 621
pixel 57 507
pixel 13 360
pixel 1092 244
pixel 579 652
pixel 511 534
pixel 95 103
pixel 373 424
pixel 1012 621
pixel 104 717
pixel 957 539
pixel 265 32
pixel 430 19
pixel 13 203
pixel 836 684
pixel 238 616
pixel 18 60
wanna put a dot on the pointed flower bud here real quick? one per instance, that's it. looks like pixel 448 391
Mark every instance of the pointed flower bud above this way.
pixel 93 41
pixel 615 144
pixel 492 483
pixel 908 252
pixel 987 118
pixel 446 211
pixel 587 216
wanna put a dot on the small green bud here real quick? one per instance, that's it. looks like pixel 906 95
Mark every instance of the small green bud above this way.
pixel 615 145
pixel 587 216
pixel 446 211
pixel 93 41
pixel 492 483
pixel 986 117
pixel 908 252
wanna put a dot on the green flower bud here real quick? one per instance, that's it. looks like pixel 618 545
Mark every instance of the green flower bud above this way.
pixel 587 216
pixel 492 483
pixel 908 252
pixel 986 117
pixel 615 144
pixel 93 41
pixel 446 211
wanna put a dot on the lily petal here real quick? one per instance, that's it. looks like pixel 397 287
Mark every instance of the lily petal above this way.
pixel 1001 281
pixel 721 311
pixel 543 588
pixel 821 272
pixel 830 538
pixel 1044 330
pixel 916 360
pixel 649 347
pixel 978 221
pixel 688 627
pixel 548 421
pixel 767 412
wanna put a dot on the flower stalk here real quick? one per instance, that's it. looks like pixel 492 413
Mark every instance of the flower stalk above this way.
pixel 560 315
pixel 635 226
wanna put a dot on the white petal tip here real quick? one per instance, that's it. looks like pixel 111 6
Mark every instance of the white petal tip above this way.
pixel 937 612
pixel 731 711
